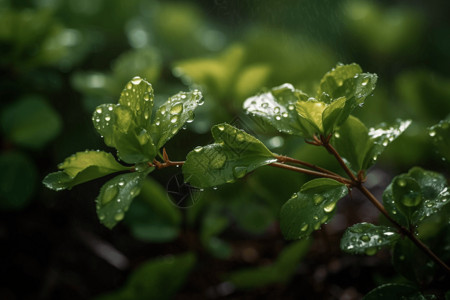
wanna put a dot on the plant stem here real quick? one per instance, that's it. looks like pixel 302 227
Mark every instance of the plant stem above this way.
pixel 402 229
pixel 311 172
pixel 333 151
pixel 288 159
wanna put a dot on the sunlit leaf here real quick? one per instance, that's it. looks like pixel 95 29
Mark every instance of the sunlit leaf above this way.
pixel 116 196
pixel 366 238
pixel 82 167
pixel 311 207
pixel 277 108
pixel 30 122
pixel 126 126
pixel 231 157
pixel 172 116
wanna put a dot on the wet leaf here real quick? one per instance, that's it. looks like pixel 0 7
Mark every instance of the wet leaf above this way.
pixel 172 116
pixel 277 108
pixel 82 167
pixel 234 154
pixel 116 196
pixel 366 238
pixel 126 126
pixel 311 207
pixel 415 196
pixel 440 135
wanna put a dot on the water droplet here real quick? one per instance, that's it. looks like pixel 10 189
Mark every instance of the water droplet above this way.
pixel 146 97
pixel 277 117
pixel 365 82
pixel 221 127
pixel 304 227
pixel 174 119
pixel 176 109
pixel 401 182
pixel 239 172
pixel 121 183
pixel 316 218
pixel 119 217
pixel 136 80
pixel 324 219
pixel 135 190
pixel 402 257
pixel 107 118
pixel 317 226
pixel 291 107
pixel 200 102
pixel 99 110
pixel 318 199
pixel 110 108
pixel 101 217
pixel 329 207
pixel 157 123
pixel 264 105
pixel 337 135
pixel 276 110
pixel 97 120
pixel 190 118
pixel 385 142
pixel 109 194
pixel 183 96
pixel 432 133
pixel 240 137
pixel 146 115
pixel 198 149
pixel 428 204
pixel 129 85
pixel 365 238
pixel 370 251
pixel 411 199
pixel 285 115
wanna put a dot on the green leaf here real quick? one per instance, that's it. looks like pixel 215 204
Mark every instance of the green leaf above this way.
pixel 347 81
pixel 126 126
pixel 361 146
pixel 352 141
pixel 116 196
pixel 311 207
pixel 234 154
pixel 333 115
pixel 277 108
pixel 440 135
pixel 366 238
pixel 82 167
pixel 434 191
pixel 394 291
pixel 381 136
pixel 279 272
pixel 17 180
pixel 428 190
pixel 152 217
pixel 407 194
pixel 311 112
pixel 31 122
pixel 159 278
pixel 172 116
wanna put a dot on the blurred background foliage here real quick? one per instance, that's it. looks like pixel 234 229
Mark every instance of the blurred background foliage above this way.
pixel 61 58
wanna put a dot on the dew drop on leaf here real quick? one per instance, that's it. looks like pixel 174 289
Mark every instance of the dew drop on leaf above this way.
pixel 174 119
pixel 176 109
pixel 329 207
pixel 119 216
pixel 365 238
pixel 239 172
pixel 318 199
pixel 99 110
pixel 198 149
pixel 136 80
pixel 221 127
pixel 109 194
pixel 304 227
pixel 432 133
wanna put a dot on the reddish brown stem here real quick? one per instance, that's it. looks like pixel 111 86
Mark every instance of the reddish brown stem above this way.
pixel 311 172
pixel 287 159
pixel 327 145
